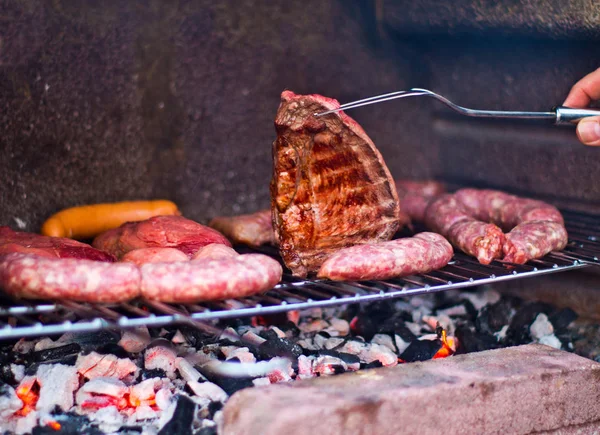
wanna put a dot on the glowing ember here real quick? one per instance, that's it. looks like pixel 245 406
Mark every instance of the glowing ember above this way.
pixel 54 425
pixel 448 346
pixel 29 393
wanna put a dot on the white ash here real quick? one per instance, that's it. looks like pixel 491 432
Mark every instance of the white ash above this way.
pixel 384 340
pixel 501 335
pixel 207 392
pixel 9 402
pixel 58 383
pixel 455 311
pixel 401 345
pixel 161 357
pixel 45 343
pixel 109 419
pixel 94 365
pixel 135 340
pixel 541 327
pixel 261 382
pixel 253 338
pixel 328 365
pixel 551 340
pixel 24 346
pixel 187 370
pixel 105 386
pixel 481 298
pixel 18 372
pixel 332 343
pixel 179 338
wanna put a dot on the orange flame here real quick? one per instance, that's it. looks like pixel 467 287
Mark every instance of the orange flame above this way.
pixel 448 346
pixel 29 395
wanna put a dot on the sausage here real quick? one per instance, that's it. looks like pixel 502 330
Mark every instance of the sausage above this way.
pixel 33 277
pixel 214 251
pixel 415 196
pixel 154 255
pixel 87 221
pixel 534 227
pixel 251 229
pixel 401 257
pixel 450 218
pixel 210 280
pixel 534 239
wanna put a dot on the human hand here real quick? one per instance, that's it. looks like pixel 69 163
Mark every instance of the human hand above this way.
pixel 581 95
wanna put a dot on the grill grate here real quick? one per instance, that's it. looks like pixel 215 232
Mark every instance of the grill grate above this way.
pixel 29 319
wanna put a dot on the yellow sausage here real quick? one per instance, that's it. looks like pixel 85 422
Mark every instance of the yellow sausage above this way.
pixel 87 221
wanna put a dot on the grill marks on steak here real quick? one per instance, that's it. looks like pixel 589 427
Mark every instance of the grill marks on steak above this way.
pixel 330 187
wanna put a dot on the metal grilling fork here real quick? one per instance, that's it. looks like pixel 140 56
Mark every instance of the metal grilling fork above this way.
pixel 559 115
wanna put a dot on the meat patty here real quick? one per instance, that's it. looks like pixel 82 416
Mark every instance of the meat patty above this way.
pixel 33 277
pixel 154 255
pixel 251 229
pixel 159 232
pixel 209 279
pixel 50 247
pixel 330 187
pixel 392 259
pixel 415 196
pixel 449 217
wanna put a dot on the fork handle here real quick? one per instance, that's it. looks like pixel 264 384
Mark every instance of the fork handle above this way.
pixel 569 116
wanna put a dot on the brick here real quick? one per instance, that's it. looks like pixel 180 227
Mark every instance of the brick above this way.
pixel 514 390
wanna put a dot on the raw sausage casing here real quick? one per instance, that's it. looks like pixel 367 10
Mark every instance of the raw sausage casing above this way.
pixel 209 280
pixel 33 277
pixel 401 257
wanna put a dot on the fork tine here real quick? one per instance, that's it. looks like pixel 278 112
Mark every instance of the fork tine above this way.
pixel 373 100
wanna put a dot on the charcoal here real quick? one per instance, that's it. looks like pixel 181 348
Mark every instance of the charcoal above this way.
pixel 214 407
pixel 493 317
pixel 183 417
pixel 364 326
pixel 396 325
pixel 228 384
pixel 277 319
pixel 268 334
pixel 372 365
pixel 57 354
pixel 421 350
pixel 70 424
pixel 290 328
pixel 115 349
pixel 209 430
pixel 91 340
pixel 194 336
pixel 561 319
pixel 474 341
pixel 149 374
pixel 348 358
pixel 518 330
pixel 278 347
pixel 379 311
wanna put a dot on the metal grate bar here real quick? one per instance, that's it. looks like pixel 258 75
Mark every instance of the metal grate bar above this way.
pixel 30 319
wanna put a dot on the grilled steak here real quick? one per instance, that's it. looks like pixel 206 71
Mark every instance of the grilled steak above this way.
pixel 159 232
pixel 330 187
pixel 50 247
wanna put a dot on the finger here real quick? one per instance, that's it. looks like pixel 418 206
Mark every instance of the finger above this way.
pixel 584 91
pixel 588 131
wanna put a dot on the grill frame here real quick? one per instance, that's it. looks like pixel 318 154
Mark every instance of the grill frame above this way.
pixel 31 319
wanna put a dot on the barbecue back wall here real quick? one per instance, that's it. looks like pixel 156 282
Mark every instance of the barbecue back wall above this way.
pixel 109 101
